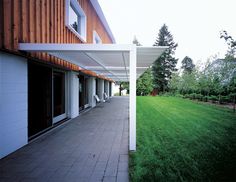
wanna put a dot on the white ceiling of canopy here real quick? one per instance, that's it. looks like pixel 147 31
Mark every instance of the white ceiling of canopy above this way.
pixel 109 60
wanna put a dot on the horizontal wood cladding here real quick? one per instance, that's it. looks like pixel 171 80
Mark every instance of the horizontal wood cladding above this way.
pixel 43 21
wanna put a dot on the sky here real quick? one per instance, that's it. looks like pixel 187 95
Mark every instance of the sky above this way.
pixel 194 24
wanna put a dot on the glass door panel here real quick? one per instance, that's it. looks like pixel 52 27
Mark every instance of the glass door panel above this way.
pixel 59 111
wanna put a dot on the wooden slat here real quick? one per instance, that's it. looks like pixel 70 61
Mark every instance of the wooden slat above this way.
pixel 43 21
pixel 48 21
pixel 43 25
pixel 55 28
pixel 55 25
pixel 1 24
pixel 32 20
pixel 25 23
pixel 59 21
pixel 47 39
pixel 7 24
pixel 37 24
pixel 15 26
pixel 52 21
pixel 62 21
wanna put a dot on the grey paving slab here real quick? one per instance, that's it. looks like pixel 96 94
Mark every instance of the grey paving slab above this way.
pixel 92 147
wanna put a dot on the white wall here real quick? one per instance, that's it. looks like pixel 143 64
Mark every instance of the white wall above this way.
pixel 13 103
pixel 73 94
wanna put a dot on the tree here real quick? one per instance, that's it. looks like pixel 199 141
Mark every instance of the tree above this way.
pixel 144 83
pixel 230 63
pixel 231 44
pixel 165 64
pixel 187 64
pixel 174 82
pixel 124 86
pixel 135 41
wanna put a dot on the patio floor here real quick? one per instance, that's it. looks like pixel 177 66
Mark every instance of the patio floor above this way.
pixel 92 147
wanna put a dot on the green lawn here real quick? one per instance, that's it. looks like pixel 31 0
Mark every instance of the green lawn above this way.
pixel 179 140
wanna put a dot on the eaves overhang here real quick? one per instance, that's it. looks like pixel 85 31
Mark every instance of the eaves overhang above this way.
pixel 102 17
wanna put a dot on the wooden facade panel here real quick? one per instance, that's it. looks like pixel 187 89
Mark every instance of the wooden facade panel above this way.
pixel 1 24
pixel 15 22
pixel 7 25
pixel 43 21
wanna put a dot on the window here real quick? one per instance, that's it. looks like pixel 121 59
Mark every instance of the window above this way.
pixel 96 38
pixel 76 19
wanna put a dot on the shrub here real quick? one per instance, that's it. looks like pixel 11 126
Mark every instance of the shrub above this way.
pixel 224 99
pixel 213 98
pixel 232 96
pixel 179 95
pixel 192 96
pixel 198 96
pixel 205 98
pixel 186 96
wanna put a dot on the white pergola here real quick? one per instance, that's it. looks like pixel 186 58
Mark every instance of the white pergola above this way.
pixel 118 62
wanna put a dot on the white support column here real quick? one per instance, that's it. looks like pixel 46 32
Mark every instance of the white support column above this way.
pixel 108 90
pixel 101 89
pixel 106 87
pixel 113 89
pixel 92 91
pixel 73 94
pixel 132 102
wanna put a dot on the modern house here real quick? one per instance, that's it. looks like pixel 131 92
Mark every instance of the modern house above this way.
pixel 58 58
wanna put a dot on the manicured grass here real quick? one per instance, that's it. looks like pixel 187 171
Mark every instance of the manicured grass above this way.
pixel 179 140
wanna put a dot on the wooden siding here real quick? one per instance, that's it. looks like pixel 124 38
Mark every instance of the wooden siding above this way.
pixel 43 21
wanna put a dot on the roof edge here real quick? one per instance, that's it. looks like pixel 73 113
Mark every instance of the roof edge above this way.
pixel 102 17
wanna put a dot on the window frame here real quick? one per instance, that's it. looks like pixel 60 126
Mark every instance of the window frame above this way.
pixel 83 19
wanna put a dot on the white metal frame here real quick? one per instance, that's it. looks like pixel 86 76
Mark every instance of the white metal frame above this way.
pixel 83 20
pixel 132 97
pixel 90 50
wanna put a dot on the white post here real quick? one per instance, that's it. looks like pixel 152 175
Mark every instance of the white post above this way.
pixel 73 95
pixel 112 89
pixel 106 83
pixel 92 91
pixel 108 89
pixel 101 89
pixel 132 102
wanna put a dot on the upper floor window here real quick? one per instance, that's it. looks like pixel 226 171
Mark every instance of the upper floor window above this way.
pixel 76 19
pixel 96 38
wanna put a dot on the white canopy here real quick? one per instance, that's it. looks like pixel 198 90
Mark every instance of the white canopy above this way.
pixel 109 60
pixel 118 62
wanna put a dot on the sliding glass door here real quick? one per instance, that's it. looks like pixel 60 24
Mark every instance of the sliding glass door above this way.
pixel 59 99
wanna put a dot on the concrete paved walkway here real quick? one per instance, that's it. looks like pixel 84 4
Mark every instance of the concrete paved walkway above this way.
pixel 92 147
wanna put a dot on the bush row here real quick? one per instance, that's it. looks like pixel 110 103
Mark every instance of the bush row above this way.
pixel 212 98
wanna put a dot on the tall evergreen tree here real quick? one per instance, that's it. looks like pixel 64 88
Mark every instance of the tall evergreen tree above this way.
pixel 166 63
pixel 187 64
